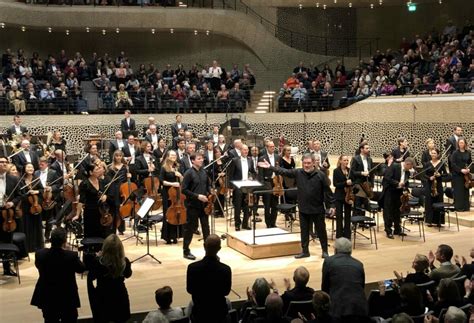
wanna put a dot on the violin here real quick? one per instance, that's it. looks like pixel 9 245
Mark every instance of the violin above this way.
pixel 152 183
pixel 126 190
pixel 106 217
pixel 405 198
pixel 8 216
pixel 209 209
pixel 468 180
pixel 349 197
pixel 223 189
pixel 176 213
pixel 35 206
pixel 278 184
pixel 48 202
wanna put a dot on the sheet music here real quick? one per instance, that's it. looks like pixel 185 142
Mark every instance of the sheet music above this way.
pixel 146 206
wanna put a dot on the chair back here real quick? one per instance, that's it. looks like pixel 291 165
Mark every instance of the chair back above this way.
pixel 383 306
pixel 459 280
pixel 183 320
pixel 303 307
pixel 448 191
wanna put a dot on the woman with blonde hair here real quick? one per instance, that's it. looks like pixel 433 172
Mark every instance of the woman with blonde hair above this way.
pixel 109 300
pixel 425 155
pixel 342 182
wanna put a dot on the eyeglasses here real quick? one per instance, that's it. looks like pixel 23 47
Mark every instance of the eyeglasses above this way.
pixel 3 162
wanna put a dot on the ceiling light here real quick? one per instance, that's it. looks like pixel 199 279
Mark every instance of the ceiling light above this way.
pixel 2 25
pixel 324 7
pixel 117 30
pixel 50 29
pixel 104 32
pixel 171 31
pixel 207 32
pixel 153 30
pixel 23 28
pixel 67 32
pixel 195 32
pixel 300 6
pixel 371 6
pixel 350 4
pixel 87 29
pixel 335 1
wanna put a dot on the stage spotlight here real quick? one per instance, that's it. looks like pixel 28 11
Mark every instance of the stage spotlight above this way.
pixel 153 30
pixel 23 28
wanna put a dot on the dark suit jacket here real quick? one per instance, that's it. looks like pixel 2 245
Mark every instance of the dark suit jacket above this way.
pixel 148 138
pixel 451 143
pixel 209 281
pixel 15 197
pixel 339 181
pixel 357 166
pixel 390 191
pixel 235 169
pixel 174 128
pixel 397 153
pixel 126 151
pixel 344 280
pixel 11 131
pixel 265 174
pixel 113 146
pixel 20 160
pixel 125 127
pixel 51 177
pixel 184 164
pixel 296 294
pixel 57 168
pixel 56 287
pixel 141 168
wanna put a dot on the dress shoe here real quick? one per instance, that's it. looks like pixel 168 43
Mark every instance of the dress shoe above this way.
pixel 246 227
pixel 302 255
pixel 237 228
pixel 10 273
pixel 325 255
pixel 390 236
pixel 168 241
pixel 175 241
pixel 197 232
pixel 189 256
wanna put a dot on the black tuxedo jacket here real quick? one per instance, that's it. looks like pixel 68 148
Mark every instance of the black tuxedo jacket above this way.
pixel 223 150
pixel 209 282
pixel 56 287
pixel 127 153
pixel 235 169
pixel 11 131
pixel 357 166
pixel 452 144
pixel 20 160
pixel 51 177
pixel 113 146
pixel 265 174
pixel 184 164
pixel 392 177
pixel 13 192
pixel 141 168
pixel 397 153
pixel 57 168
pixel 174 128
pixel 148 138
pixel 124 126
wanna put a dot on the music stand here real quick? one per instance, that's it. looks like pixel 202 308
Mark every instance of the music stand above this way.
pixel 134 196
pixel 143 213
pixel 247 187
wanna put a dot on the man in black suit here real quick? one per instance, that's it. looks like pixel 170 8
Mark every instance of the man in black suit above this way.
pixel 50 181
pixel 10 196
pixel 131 151
pixel 146 129
pixel 185 161
pixel 270 201
pixel 323 155
pixel 26 156
pixel 117 144
pixel 178 125
pixel 313 194
pixel 209 282
pixel 361 165
pixel 344 280
pixel 452 143
pixel 401 152
pixel 153 137
pixel 16 128
pixel 59 165
pixel 241 169
pixel 56 290
pixel 236 150
pixel 394 182
pixel 300 68
pixel 127 124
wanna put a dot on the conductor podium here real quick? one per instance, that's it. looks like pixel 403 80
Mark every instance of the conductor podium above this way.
pixel 262 243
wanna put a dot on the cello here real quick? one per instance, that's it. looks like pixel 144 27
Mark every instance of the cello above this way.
pixel 152 183
pixel 128 205
pixel 176 213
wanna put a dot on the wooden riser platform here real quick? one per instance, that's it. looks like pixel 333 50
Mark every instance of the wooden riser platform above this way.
pixel 274 242
pixel 466 219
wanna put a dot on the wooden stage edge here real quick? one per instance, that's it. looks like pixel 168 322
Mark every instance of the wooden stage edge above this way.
pixel 274 242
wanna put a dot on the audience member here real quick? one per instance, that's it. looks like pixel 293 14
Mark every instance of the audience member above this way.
pixel 421 266
pixel 300 292
pixel 443 254
pixel 164 298
pixel 448 295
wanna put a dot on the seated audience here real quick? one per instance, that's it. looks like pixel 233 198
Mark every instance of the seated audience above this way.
pixel 443 254
pixel 164 298
pixel 421 266
pixel 448 295
pixel 300 292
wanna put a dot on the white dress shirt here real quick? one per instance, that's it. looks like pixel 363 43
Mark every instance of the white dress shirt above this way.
pixel 44 177
pixel 132 153
pixel 210 155
pixel 3 186
pixel 120 144
pixel 365 162
pixel 18 130
pixel 245 168
pixel 402 177
pixel 27 156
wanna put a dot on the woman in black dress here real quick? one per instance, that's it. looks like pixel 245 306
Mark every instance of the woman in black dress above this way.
pixel 90 191
pixel 460 160
pixel 117 170
pixel 425 155
pixel 288 162
pixel 32 225
pixel 57 142
pixel 434 170
pixel 215 171
pixel 109 300
pixel 159 152
pixel 341 181
pixel 169 177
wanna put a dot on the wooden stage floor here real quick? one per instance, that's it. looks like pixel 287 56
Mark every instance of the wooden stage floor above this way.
pixel 148 275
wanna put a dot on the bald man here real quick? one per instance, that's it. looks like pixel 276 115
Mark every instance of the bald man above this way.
pixel 209 282
pixel 300 292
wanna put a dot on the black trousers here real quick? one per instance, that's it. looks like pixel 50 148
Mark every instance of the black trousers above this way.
pixel 65 315
pixel 343 219
pixel 193 215
pixel 238 199
pixel 306 221
pixel 270 203
pixel 360 202
pixel 391 211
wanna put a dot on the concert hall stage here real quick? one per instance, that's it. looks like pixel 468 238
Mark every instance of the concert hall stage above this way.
pixel 466 219
pixel 273 242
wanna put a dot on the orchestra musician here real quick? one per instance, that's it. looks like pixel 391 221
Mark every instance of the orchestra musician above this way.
pixel 118 170
pixel 145 164
pixel 236 151
pixel 241 169
pixel 394 182
pixel 16 129
pixel 131 151
pixel 146 129
pixel 217 174
pixel 196 187
pixel 185 161
pixel 50 182
pixel 401 152
pixel 27 155
pixel 178 138
pixel 452 143
pixel 9 198
pixel 117 144
pixel 127 124
pixel 181 148
pixel 57 142
pixel 221 144
pixel 175 127
pixel 312 195
pixel 214 135
pixel 160 151
pixel 460 160
pixel 359 173
pixel 91 157
pixel 254 154
pixel 153 137
pixel 209 152
pixel 270 201
pixel 32 226
pixel 342 182
pixel 169 177
pixel 321 155
pixel 91 196
pixel 434 171
pixel 426 154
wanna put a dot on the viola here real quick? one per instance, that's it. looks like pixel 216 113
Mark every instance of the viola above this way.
pixel 405 198
pixel 349 197
pixel 278 184
pixel 152 183
pixel 176 213
pixel 209 209
pixel 9 223
pixel 18 210
pixel 48 202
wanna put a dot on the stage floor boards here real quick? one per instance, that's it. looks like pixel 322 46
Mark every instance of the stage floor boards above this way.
pixel 148 275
